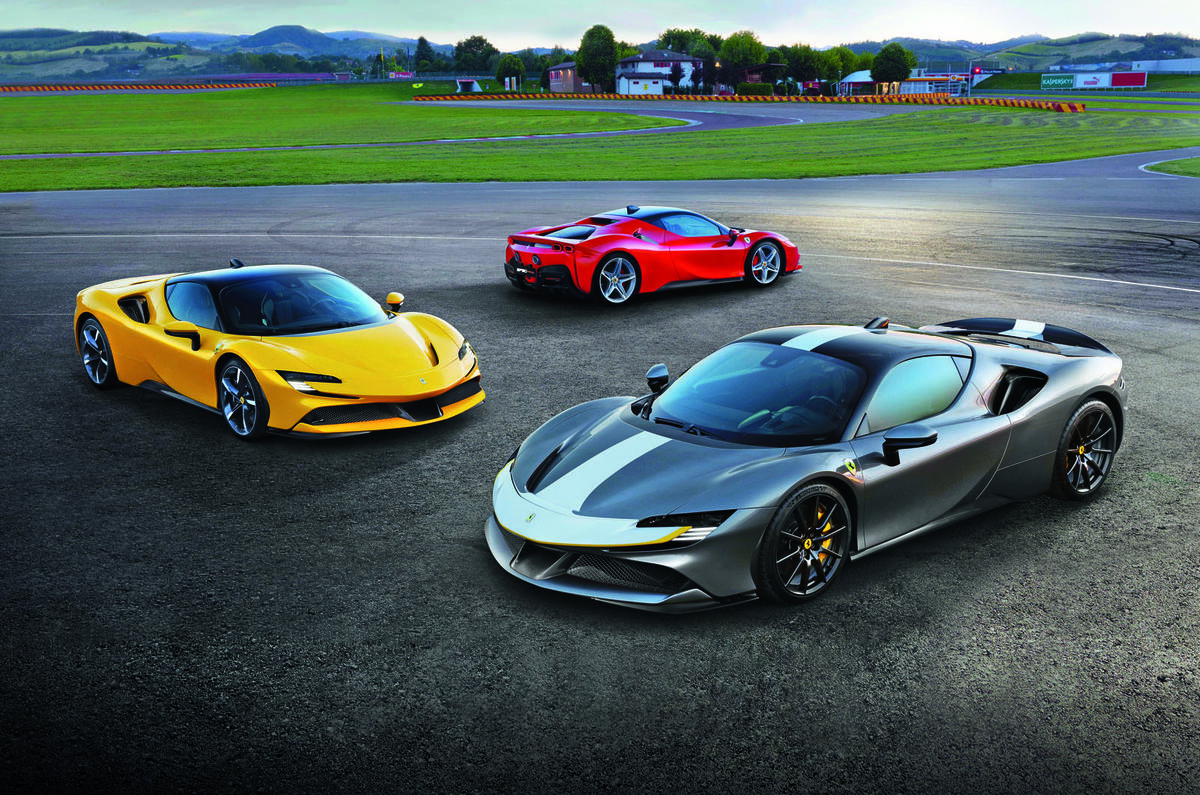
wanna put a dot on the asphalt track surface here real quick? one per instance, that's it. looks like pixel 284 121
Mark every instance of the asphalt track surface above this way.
pixel 185 612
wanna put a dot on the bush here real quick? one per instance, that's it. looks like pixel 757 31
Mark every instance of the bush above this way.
pixel 754 90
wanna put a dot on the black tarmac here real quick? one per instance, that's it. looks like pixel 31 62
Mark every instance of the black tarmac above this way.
pixel 182 611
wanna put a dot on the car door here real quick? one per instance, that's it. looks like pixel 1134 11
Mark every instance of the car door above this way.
pixel 185 363
pixel 701 250
pixel 932 481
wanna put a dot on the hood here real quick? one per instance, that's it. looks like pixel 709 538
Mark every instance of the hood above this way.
pixel 384 359
pixel 604 462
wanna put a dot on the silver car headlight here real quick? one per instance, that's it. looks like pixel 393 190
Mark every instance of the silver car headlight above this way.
pixel 697 526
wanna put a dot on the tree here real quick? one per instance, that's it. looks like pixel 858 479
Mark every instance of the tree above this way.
pixel 705 74
pixel 893 64
pixel 679 40
pixel 596 60
pixel 472 54
pixel 844 59
pixel 424 52
pixel 740 50
pixel 865 61
pixel 803 62
pixel 510 66
pixel 675 76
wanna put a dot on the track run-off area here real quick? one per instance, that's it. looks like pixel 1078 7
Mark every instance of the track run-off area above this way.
pixel 185 611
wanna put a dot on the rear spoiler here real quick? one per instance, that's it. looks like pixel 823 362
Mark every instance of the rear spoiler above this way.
pixel 538 241
pixel 1007 329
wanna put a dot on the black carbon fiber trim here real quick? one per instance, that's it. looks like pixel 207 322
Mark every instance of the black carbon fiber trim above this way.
pixel 628 573
pixel 414 410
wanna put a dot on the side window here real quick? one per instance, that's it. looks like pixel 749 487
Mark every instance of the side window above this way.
pixel 192 302
pixel 690 226
pixel 914 390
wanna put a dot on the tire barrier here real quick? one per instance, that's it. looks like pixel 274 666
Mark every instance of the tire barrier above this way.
pixel 866 99
pixel 131 87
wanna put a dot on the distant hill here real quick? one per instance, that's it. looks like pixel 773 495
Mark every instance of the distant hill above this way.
pixel 53 39
pixel 202 41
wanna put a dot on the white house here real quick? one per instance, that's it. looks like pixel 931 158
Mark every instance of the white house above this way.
pixel 650 72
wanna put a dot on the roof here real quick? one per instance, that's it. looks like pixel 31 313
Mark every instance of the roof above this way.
pixel 870 349
pixel 656 55
pixel 226 276
pixel 645 213
pixel 861 76
pixel 564 65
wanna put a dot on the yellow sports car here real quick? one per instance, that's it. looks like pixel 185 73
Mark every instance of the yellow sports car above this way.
pixel 289 349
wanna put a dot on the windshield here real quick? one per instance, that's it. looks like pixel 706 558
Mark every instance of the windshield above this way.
pixel 760 393
pixel 296 303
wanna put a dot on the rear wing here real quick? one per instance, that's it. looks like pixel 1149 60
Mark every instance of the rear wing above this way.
pixel 1028 333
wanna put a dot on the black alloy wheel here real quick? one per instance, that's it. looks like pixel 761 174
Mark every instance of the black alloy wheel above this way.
pixel 1085 452
pixel 806 545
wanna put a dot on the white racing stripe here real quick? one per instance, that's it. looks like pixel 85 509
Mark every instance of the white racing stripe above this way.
pixel 1028 329
pixel 573 488
pixel 813 339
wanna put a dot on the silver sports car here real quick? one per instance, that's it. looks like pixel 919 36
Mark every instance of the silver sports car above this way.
pixel 773 462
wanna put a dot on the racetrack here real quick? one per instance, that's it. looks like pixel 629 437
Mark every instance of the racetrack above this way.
pixel 185 611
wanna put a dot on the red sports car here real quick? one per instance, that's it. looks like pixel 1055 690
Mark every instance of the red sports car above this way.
pixel 613 256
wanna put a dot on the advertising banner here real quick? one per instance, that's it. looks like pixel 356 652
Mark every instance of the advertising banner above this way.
pixel 1094 80
pixel 1129 80
pixel 1059 81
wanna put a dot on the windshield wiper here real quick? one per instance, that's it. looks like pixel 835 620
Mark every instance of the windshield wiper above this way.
pixel 687 427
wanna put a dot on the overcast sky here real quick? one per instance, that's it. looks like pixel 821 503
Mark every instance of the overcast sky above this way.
pixel 514 24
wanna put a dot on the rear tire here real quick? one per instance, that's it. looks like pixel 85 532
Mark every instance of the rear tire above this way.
pixel 617 279
pixel 96 355
pixel 1085 452
pixel 806 545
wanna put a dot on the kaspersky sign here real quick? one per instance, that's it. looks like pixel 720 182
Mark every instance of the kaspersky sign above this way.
pixel 1057 81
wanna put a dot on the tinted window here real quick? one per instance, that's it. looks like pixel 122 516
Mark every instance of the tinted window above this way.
pixel 914 390
pixel 296 304
pixel 576 232
pixel 192 302
pixel 690 226
pixel 761 393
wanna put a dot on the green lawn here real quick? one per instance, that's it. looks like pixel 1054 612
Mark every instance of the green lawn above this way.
pixel 942 139
pixel 269 117
pixel 1184 168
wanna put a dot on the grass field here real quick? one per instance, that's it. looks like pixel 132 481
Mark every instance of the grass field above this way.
pixel 1184 168
pixel 943 139
pixel 267 117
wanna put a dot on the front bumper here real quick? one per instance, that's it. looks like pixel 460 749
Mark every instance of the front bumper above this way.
pixel 710 573
pixel 343 419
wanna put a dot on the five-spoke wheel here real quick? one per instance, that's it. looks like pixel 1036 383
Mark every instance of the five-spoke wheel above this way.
pixel 805 546
pixel 617 279
pixel 1085 452
pixel 764 264
pixel 241 400
pixel 96 354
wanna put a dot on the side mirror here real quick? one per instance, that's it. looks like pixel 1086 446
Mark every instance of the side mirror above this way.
pixel 733 233
pixel 657 377
pixel 906 437
pixel 394 300
pixel 185 330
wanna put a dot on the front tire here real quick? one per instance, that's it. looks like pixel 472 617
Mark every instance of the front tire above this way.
pixel 806 545
pixel 1085 452
pixel 96 355
pixel 764 264
pixel 617 279
pixel 240 400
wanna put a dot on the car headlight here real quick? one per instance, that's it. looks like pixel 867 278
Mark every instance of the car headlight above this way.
pixel 697 525
pixel 303 382
pixel 465 349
